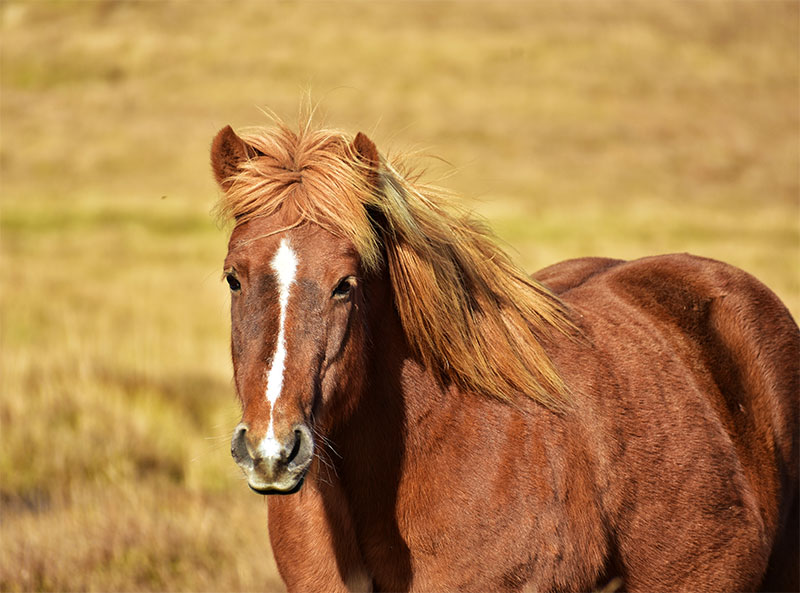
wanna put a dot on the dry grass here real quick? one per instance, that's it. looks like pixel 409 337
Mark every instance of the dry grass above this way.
pixel 580 128
pixel 160 537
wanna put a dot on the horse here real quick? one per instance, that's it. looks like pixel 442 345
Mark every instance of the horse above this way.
pixel 425 416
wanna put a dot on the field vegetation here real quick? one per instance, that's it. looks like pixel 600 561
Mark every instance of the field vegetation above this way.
pixel 610 128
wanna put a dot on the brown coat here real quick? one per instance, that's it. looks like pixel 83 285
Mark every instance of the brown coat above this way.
pixel 440 422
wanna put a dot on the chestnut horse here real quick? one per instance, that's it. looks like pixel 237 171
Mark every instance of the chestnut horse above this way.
pixel 438 420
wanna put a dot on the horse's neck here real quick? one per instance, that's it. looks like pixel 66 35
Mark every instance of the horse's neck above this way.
pixel 381 447
pixel 401 390
pixel 400 402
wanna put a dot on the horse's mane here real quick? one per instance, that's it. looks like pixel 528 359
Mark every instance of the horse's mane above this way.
pixel 471 315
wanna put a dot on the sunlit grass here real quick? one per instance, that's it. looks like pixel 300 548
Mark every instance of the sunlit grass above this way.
pixel 154 536
pixel 585 128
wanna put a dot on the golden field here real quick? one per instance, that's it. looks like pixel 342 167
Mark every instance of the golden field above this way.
pixel 620 129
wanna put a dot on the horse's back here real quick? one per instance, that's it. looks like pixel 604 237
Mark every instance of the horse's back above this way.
pixel 568 274
pixel 693 342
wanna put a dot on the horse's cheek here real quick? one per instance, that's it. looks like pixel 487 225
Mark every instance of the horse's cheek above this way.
pixel 343 367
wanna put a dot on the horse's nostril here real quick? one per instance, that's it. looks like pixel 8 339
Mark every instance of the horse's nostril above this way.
pixel 298 438
pixel 302 448
pixel 239 450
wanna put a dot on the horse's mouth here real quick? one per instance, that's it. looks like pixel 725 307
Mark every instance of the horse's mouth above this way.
pixel 281 491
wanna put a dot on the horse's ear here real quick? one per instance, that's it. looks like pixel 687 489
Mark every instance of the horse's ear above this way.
pixel 228 151
pixel 367 154
pixel 365 150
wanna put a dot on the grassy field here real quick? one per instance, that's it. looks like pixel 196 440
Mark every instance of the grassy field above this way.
pixel 582 128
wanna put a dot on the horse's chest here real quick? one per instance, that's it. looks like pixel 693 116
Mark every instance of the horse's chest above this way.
pixel 447 545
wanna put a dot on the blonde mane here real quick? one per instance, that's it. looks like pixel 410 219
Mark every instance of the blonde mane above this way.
pixel 471 315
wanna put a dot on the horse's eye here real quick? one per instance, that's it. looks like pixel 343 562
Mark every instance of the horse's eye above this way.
pixel 344 288
pixel 233 282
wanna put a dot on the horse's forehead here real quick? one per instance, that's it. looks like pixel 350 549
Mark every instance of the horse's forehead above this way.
pixel 313 246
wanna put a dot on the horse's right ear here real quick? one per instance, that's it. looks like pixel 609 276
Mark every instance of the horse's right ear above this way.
pixel 228 151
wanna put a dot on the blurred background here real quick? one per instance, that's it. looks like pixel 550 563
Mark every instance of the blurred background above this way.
pixel 620 129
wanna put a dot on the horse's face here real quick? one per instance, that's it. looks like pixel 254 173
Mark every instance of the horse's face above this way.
pixel 297 341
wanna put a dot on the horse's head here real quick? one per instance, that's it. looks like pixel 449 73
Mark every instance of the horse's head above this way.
pixel 295 341
pixel 328 235
pixel 297 336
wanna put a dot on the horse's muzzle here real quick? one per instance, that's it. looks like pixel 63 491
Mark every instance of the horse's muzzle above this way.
pixel 274 465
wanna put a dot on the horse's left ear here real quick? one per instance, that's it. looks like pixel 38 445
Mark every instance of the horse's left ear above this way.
pixel 365 150
pixel 228 151
pixel 367 154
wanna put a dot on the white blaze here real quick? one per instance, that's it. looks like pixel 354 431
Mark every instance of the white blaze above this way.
pixel 285 265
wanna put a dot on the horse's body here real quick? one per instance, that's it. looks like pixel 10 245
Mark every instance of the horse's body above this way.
pixel 671 465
